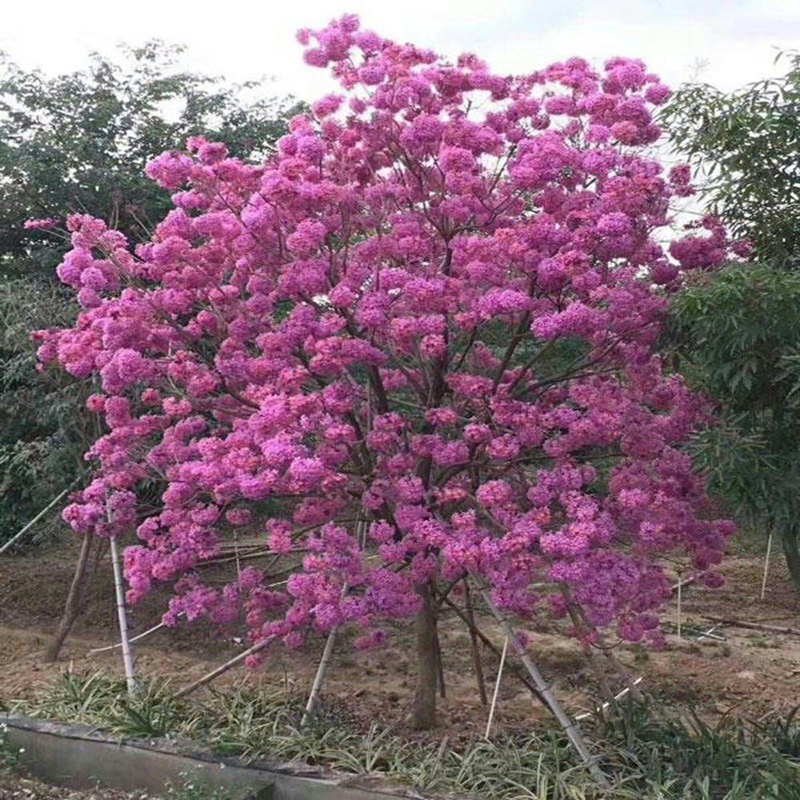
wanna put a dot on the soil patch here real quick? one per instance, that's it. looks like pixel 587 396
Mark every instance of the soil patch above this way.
pixel 749 673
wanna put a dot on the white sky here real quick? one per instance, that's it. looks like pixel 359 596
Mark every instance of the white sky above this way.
pixel 724 42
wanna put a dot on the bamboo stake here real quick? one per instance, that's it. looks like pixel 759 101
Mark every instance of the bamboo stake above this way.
pixel 623 674
pixel 583 628
pixel 487 642
pixel 678 612
pixel 766 567
pixel 496 688
pixel 17 536
pixel 757 626
pixel 122 616
pixel 215 673
pixel 688 582
pixel 568 725
pixel 477 663
pixel 236 555
pixel 316 688
pixel 709 634
pixel 616 697
pixel 132 640
pixel 578 614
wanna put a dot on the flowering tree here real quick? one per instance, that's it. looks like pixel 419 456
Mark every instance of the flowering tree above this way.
pixel 414 348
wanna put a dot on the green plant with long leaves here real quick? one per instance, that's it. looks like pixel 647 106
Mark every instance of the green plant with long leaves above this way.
pixel 651 753
pixel 735 334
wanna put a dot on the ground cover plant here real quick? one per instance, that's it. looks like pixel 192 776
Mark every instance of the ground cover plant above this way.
pixel 414 352
pixel 648 751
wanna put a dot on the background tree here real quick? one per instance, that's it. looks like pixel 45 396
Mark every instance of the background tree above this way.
pixel 79 143
pixel 744 146
pixel 737 331
pixel 738 338
pixel 44 428
pixel 415 348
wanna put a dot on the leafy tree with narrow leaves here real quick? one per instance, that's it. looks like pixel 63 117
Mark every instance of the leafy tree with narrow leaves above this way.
pixel 738 337
pixel 736 331
pixel 745 146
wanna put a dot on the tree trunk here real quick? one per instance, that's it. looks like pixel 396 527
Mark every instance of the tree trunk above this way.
pixel 789 542
pixel 72 606
pixel 423 712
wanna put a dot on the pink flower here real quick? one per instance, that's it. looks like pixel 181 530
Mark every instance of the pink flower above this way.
pixel 40 224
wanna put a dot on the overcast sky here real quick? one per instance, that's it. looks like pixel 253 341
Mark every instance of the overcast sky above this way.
pixel 724 42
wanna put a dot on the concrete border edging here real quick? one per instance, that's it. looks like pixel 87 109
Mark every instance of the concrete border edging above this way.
pixel 80 757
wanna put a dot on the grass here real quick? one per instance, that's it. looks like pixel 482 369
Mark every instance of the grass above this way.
pixel 648 752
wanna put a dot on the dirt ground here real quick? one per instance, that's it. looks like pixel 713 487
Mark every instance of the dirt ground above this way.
pixel 751 672
pixel 15 787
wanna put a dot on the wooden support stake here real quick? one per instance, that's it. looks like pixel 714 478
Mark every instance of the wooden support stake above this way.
pixel 223 668
pixel 688 582
pixel 766 567
pixel 122 616
pixel 583 629
pixel 756 626
pixel 616 697
pixel 623 674
pixel 496 688
pixel 316 688
pixel 17 536
pixel 489 644
pixel 477 662
pixel 568 725
pixel 132 640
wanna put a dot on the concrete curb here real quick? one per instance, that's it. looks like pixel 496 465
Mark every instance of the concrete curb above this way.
pixel 80 757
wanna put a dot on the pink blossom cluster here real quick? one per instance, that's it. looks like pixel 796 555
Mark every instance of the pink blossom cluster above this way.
pixel 415 345
pixel 40 224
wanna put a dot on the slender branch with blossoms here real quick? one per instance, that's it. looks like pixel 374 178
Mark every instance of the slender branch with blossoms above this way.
pixel 434 308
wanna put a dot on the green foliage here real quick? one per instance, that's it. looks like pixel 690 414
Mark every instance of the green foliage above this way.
pixel 746 145
pixel 44 428
pixel 8 756
pixel 79 142
pixel 736 333
pixel 736 337
pixel 189 789
pixel 649 753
